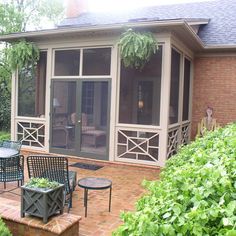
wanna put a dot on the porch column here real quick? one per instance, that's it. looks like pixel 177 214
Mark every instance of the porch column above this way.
pixel 48 98
pixel 14 95
pixel 113 101
pixel 165 101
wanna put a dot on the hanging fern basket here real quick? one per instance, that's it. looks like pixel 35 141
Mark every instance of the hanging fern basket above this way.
pixel 136 48
pixel 21 54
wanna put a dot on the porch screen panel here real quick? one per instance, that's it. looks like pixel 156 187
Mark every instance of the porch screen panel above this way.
pixel 63 115
pixel 186 97
pixel 96 61
pixel 31 88
pixel 67 62
pixel 94 122
pixel 174 87
pixel 140 92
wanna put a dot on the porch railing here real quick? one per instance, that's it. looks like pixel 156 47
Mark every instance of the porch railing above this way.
pixel 178 134
pixel 31 132
pixel 139 145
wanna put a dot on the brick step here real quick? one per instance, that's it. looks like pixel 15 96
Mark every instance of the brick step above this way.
pixel 63 225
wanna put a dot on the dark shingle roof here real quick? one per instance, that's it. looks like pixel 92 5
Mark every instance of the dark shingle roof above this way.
pixel 221 28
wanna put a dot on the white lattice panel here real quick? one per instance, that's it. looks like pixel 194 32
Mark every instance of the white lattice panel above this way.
pixel 185 134
pixel 172 142
pixel 31 133
pixel 177 136
pixel 138 145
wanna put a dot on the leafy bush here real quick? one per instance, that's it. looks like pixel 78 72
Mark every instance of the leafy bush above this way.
pixel 42 183
pixel 4 231
pixel 5 107
pixel 4 136
pixel 196 194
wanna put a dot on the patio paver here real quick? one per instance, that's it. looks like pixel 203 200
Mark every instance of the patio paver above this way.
pixel 126 190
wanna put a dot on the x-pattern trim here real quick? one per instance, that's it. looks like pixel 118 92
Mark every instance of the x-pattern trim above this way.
pixel 138 145
pixel 30 134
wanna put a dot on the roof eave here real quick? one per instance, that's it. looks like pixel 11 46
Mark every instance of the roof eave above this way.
pixel 67 30
pixel 196 42
pixel 194 35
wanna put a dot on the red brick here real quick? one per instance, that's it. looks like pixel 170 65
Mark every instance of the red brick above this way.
pixel 214 85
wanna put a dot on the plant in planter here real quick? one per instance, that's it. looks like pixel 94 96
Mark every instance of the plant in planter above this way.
pixel 41 197
pixel 136 48
pixel 42 183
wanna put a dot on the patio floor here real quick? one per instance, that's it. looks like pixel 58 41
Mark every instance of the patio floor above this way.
pixel 126 190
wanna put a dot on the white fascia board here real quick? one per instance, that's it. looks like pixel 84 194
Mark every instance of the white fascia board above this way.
pixel 70 30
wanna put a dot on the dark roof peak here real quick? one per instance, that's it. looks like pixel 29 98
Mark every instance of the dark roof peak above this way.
pixel 219 14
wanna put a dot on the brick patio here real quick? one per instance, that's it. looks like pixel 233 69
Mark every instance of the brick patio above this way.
pixel 126 190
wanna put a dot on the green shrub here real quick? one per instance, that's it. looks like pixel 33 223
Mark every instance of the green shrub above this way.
pixel 196 194
pixel 4 136
pixel 4 231
pixel 5 109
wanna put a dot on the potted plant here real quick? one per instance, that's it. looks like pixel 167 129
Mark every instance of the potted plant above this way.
pixel 136 48
pixel 41 197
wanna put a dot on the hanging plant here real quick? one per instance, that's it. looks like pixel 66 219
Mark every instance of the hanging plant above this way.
pixel 21 54
pixel 136 48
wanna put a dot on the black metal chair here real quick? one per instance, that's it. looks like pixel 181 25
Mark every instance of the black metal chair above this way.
pixel 16 145
pixel 12 169
pixel 54 168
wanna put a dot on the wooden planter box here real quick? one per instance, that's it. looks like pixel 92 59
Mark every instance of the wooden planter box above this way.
pixel 42 203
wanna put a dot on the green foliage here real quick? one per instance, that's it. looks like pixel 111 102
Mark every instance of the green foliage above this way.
pixel 42 183
pixel 53 10
pixel 4 136
pixel 34 13
pixel 196 194
pixel 22 54
pixel 5 106
pixel 5 95
pixel 18 55
pixel 17 16
pixel 4 231
pixel 10 19
pixel 136 48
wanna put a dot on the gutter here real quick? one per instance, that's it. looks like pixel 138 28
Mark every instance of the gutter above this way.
pixel 220 46
pixel 192 32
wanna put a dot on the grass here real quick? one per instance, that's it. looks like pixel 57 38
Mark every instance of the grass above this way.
pixel 4 135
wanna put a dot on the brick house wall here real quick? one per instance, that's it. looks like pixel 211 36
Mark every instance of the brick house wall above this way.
pixel 214 85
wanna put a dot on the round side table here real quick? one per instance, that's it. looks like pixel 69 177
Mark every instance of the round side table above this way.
pixel 93 183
